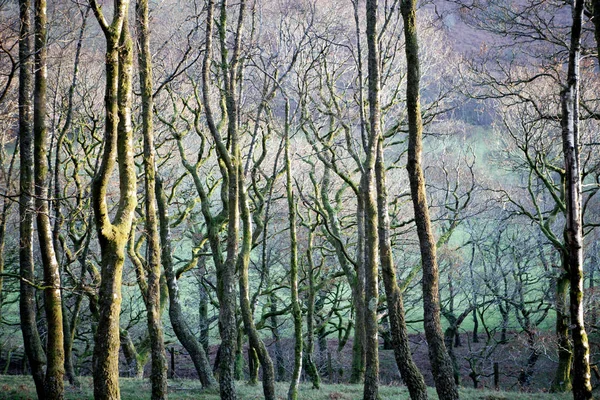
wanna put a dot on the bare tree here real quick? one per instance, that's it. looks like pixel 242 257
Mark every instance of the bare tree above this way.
pixel 438 355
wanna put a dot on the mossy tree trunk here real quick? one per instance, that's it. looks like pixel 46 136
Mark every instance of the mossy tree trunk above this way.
pixel 113 234
pixel 562 377
pixel 296 311
pixel 153 251
pixel 354 270
pixel 369 193
pixel 399 333
pixel 55 354
pixel 311 366
pixel 226 271
pixel 69 321
pixel 438 355
pixel 6 206
pixel 180 326
pixel 27 302
pixel 242 265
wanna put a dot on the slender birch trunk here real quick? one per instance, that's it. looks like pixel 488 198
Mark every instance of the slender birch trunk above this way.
pixel 582 388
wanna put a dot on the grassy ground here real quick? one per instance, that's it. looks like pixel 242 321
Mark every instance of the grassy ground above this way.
pixel 13 387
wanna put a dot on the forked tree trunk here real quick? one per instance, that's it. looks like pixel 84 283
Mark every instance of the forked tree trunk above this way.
pixel 153 252
pixel 438 355
pixel 113 235
pixel 226 271
pixel 27 307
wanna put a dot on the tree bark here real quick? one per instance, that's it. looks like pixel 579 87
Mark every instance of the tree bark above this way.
pixel 582 388
pixel 296 311
pixel 356 277
pixel 113 235
pixel 369 192
pixel 399 333
pixel 438 355
pixel 27 307
pixel 55 354
pixel 69 323
pixel 596 20
pixel 226 271
pixel 153 251
pixel 242 266
pixel 311 367
pixel 562 377
pixel 180 327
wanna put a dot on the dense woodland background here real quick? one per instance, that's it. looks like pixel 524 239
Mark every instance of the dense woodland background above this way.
pixel 243 166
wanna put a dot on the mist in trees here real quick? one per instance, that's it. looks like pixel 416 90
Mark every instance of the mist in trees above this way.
pixel 300 192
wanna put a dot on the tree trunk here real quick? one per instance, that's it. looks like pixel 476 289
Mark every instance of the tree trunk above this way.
pixel 311 367
pixel 238 371
pixel 27 307
pixel 596 20
pixel 242 266
pixel 69 324
pixel 279 360
pixel 438 355
pixel 527 373
pixel 356 278
pixel 204 323
pixel 562 377
pixel 133 361
pixel 55 353
pixel 408 369
pixel 582 388
pixel 178 321
pixel 369 192
pixel 113 235
pixel 6 206
pixel 153 251
pixel 226 271
pixel 296 311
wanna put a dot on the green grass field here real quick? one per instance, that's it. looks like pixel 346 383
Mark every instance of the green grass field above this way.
pixel 15 387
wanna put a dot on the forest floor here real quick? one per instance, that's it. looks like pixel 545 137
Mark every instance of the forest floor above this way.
pixel 474 359
pixel 20 387
pixel 334 367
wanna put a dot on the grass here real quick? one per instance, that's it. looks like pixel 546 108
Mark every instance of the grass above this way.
pixel 16 387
